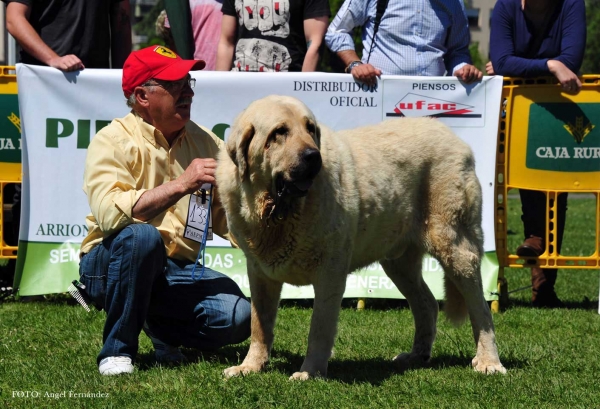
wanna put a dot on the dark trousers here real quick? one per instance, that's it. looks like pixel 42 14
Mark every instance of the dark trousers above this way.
pixel 533 206
pixel 131 278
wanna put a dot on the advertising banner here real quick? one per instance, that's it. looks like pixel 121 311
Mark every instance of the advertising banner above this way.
pixel 10 141
pixel 554 138
pixel 564 139
pixel 61 112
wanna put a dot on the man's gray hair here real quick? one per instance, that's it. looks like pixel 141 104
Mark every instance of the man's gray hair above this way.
pixel 131 101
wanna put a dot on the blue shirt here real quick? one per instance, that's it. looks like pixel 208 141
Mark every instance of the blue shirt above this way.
pixel 415 37
pixel 511 39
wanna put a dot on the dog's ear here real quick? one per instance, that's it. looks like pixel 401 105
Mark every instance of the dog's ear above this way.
pixel 318 135
pixel 237 148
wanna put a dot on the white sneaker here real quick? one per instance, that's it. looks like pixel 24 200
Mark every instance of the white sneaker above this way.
pixel 115 365
pixel 165 353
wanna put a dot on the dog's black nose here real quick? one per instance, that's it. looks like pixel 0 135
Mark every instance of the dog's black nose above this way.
pixel 312 158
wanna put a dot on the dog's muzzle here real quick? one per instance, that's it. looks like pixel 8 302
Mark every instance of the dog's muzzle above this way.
pixel 301 178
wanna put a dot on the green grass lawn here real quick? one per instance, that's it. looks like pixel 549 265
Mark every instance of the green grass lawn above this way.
pixel 553 356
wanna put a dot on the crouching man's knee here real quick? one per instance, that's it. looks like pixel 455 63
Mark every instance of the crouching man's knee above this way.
pixel 225 322
pixel 144 237
pixel 241 328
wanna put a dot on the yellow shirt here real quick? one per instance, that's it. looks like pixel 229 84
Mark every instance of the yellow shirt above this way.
pixel 129 157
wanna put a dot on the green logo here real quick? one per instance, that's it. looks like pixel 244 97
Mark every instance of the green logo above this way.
pixel 219 130
pixel 10 138
pixel 57 128
pixel 563 137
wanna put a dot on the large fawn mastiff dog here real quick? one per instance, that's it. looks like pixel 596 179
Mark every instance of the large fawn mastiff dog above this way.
pixel 309 206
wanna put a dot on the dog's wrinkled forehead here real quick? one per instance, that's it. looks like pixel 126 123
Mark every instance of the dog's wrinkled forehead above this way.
pixel 277 109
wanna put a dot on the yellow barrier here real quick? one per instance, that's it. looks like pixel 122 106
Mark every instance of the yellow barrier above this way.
pixel 10 153
pixel 547 141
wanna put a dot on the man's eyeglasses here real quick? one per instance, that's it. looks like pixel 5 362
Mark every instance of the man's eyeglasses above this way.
pixel 172 86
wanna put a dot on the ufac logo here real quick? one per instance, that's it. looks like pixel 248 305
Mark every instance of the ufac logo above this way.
pixel 414 105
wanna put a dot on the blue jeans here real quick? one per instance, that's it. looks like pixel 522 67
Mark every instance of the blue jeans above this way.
pixel 132 279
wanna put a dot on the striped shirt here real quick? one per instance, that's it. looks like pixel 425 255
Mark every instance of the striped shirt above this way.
pixel 415 37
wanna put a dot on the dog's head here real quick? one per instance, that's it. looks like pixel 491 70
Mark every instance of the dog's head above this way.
pixel 275 145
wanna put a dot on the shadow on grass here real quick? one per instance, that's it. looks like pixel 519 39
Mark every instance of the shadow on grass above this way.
pixel 229 355
pixel 585 304
pixel 373 372
pixel 376 371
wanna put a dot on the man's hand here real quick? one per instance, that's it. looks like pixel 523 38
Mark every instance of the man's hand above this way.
pixel 366 73
pixel 199 172
pixel 155 201
pixel 67 63
pixel 567 78
pixel 489 68
pixel 468 73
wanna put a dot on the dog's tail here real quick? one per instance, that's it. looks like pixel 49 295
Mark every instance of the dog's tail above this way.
pixel 455 306
pixel 467 252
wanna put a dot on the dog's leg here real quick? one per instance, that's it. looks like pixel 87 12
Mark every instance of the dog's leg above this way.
pixel 329 291
pixel 462 266
pixel 265 295
pixel 406 273
pixel 486 360
pixel 455 238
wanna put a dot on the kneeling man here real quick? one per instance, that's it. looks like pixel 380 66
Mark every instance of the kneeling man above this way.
pixel 142 173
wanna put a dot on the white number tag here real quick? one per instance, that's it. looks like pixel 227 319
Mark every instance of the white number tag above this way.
pixel 198 212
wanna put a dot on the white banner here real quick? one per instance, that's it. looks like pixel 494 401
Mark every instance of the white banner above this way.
pixel 61 112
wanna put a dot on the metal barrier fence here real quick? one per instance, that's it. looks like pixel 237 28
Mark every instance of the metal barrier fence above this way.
pixel 547 141
pixel 10 157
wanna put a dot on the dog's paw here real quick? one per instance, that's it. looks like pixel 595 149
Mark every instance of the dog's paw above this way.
pixel 240 370
pixel 410 360
pixel 488 368
pixel 300 376
pixel 305 376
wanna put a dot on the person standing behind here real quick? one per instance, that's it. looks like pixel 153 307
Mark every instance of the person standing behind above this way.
pixel 71 34
pixel 68 35
pixel 424 38
pixel 276 36
pixel 531 38
pixel 195 28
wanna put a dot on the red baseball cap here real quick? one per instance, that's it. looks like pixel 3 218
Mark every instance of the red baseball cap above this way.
pixel 155 62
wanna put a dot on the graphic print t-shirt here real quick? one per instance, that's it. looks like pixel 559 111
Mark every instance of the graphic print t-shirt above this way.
pixel 271 32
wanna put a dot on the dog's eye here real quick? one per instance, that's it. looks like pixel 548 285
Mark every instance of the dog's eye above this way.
pixel 280 131
pixel 310 127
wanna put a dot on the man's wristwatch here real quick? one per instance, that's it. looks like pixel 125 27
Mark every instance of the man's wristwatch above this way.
pixel 352 65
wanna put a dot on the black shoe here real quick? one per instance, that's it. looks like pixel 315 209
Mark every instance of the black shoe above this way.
pixel 550 300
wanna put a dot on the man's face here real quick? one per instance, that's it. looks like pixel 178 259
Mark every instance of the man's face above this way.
pixel 170 103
